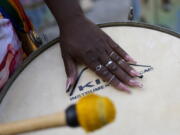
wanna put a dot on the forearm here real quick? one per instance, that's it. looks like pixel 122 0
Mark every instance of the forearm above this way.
pixel 65 11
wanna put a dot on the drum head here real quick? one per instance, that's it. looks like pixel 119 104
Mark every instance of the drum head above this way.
pixel 153 110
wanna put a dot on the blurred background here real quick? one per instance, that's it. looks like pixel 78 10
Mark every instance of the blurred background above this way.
pixel 165 13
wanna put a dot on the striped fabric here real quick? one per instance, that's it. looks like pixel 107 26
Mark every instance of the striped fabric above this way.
pixel 13 10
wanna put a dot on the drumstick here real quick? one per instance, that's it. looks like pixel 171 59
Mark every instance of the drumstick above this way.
pixel 90 112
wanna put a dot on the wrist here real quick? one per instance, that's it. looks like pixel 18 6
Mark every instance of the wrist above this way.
pixel 71 19
pixel 65 11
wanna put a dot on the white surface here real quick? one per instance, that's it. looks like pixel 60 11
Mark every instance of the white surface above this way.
pixel 153 110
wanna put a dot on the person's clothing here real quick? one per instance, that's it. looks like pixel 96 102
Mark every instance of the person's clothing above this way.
pixel 12 20
pixel 11 53
pixel 13 10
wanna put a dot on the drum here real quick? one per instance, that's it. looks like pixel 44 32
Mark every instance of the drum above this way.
pixel 38 87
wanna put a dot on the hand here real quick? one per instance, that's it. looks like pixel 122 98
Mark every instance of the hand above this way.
pixel 83 42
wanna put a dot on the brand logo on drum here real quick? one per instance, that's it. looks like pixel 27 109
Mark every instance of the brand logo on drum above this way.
pixel 89 84
pixel 89 87
pixel 97 85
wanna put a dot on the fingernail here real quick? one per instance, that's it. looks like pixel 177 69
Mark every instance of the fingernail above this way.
pixel 135 73
pixel 130 59
pixel 123 87
pixel 135 83
pixel 68 84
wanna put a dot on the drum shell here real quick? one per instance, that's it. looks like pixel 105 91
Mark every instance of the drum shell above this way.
pixel 40 87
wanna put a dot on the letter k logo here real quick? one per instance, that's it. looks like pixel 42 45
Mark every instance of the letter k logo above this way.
pixel 87 85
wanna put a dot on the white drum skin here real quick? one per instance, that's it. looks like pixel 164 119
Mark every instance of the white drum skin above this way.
pixel 152 110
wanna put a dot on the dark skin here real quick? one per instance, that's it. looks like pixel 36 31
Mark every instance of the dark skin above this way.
pixel 83 42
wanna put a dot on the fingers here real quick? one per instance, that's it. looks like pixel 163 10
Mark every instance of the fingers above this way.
pixel 107 76
pixel 121 75
pixel 118 55
pixel 110 72
pixel 123 64
pixel 118 71
pixel 71 71
pixel 120 51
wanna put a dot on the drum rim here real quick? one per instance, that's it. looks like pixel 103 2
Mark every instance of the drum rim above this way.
pixel 26 62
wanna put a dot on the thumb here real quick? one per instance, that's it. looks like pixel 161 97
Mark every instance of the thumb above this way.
pixel 71 71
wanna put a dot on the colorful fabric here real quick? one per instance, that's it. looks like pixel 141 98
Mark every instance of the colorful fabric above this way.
pixel 11 54
pixel 13 10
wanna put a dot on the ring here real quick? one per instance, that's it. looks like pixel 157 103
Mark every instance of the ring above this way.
pixel 121 61
pixel 111 53
pixel 111 79
pixel 98 68
pixel 109 63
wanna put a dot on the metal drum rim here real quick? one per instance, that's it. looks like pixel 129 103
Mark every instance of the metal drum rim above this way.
pixel 5 89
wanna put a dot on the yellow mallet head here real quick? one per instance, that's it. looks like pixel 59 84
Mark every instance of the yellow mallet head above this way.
pixel 92 112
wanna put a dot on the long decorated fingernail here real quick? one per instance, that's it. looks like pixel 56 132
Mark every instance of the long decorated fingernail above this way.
pixel 68 85
pixel 135 83
pixel 130 59
pixel 135 73
pixel 123 87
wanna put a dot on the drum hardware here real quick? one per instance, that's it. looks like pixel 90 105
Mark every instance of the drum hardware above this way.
pixel 28 43
pixel 131 14
pixel 35 37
